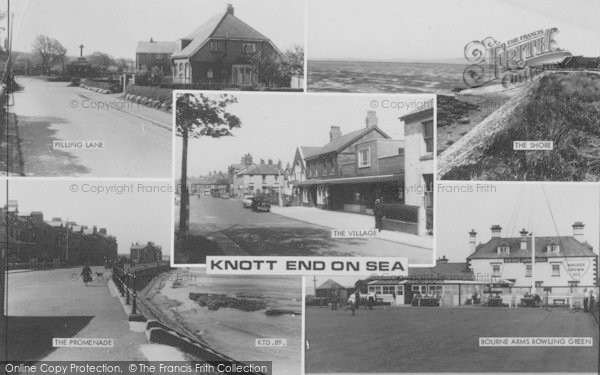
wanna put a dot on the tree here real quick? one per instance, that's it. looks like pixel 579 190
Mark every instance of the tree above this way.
pixel 50 50
pixel 279 68
pixel 200 116
pixel 101 60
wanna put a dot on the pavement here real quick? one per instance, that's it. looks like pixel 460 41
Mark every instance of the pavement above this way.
pixel 53 111
pixel 224 227
pixel 55 304
pixel 346 220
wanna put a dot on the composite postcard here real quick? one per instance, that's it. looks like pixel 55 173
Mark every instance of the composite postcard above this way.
pixel 290 187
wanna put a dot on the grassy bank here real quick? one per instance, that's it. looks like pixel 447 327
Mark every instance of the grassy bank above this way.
pixel 562 108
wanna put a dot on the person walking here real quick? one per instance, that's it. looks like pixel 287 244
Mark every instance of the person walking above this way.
pixel 351 304
pixel 86 274
pixel 371 300
pixel 378 213
pixel 586 299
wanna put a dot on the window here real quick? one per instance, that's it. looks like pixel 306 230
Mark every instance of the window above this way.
pixel 428 135
pixel 553 248
pixel 248 48
pixel 217 45
pixel 428 181
pixel 503 249
pixel 538 284
pixel 496 270
pixel 264 179
pixel 364 157
pixel 573 285
pixel 276 178
pixel 556 269
pixel 528 270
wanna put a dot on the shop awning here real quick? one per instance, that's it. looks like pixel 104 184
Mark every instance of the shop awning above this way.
pixel 351 180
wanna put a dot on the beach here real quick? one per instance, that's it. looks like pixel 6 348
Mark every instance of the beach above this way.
pixel 233 331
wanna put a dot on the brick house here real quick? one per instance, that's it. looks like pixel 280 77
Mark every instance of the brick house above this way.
pixel 154 54
pixel 37 241
pixel 418 159
pixel 223 51
pixel 262 178
pixel 352 170
pixel 145 253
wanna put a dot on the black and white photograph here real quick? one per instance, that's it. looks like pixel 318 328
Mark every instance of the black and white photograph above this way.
pixel 61 242
pixel 88 85
pixel 304 175
pixel 517 82
pixel 489 304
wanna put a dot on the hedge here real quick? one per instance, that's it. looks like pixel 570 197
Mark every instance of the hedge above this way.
pixel 151 92
pixel 397 211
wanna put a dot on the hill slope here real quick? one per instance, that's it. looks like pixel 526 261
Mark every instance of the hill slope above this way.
pixel 560 107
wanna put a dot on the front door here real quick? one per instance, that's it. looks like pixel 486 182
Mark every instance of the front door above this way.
pixel 400 295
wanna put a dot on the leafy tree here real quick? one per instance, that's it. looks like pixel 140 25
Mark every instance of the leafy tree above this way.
pixel 101 60
pixel 200 116
pixel 50 51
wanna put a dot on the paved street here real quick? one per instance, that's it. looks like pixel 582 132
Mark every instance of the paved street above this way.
pixel 55 303
pixel 135 142
pixel 224 227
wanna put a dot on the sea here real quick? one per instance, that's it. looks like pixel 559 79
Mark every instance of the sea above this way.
pixel 234 332
pixel 385 77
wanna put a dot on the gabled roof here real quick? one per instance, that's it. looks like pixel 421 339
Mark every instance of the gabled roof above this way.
pixel 156 47
pixel 331 284
pixel 220 26
pixel 569 246
pixel 262 169
pixel 340 143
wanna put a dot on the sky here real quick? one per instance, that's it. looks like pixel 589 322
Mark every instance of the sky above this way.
pixel 513 207
pixel 130 217
pixel 440 29
pixel 115 26
pixel 273 125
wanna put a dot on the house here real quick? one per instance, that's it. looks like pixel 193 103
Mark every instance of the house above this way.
pixel 563 264
pixel 35 241
pixel 148 253
pixel 352 170
pixel 331 288
pixel 223 51
pixel 154 54
pixel 297 174
pixel 418 163
pixel 262 178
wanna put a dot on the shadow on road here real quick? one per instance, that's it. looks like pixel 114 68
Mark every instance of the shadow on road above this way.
pixel 194 249
pixel 30 338
pixel 41 159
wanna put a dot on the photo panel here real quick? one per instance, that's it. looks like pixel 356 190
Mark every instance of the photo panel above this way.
pixel 517 100
pixel 304 176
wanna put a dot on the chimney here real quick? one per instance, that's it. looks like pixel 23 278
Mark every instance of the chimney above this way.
pixel 443 260
pixel 335 133
pixel 230 9
pixel 95 229
pixel 151 40
pixel 371 119
pixel 103 231
pixel 37 217
pixel 578 231
pixel 279 164
pixel 472 240
pixel 262 161
pixel 496 231
pixel 523 234
pixel 270 161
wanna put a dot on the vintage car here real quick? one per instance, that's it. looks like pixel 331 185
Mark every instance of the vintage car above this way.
pixel 225 196
pixel 260 204
pixel 247 201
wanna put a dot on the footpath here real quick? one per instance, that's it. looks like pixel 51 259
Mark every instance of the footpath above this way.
pixel 345 220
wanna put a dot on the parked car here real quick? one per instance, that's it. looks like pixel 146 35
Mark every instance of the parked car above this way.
pixel 225 196
pixel 260 204
pixel 247 201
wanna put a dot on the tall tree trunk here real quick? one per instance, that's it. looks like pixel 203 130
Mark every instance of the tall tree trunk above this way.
pixel 184 204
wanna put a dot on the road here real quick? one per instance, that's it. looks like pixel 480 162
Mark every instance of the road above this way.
pixel 224 227
pixel 52 111
pixel 46 304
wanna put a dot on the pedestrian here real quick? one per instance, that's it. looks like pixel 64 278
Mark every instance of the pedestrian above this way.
pixel 357 298
pixel 86 274
pixel 351 304
pixel 371 300
pixel 586 299
pixel 334 301
pixel 591 301
pixel 378 212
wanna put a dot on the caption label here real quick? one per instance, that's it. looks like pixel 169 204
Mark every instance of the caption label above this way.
pixel 533 145
pixel 78 145
pixel 271 342
pixel 227 265
pixel 58 342
pixel 535 341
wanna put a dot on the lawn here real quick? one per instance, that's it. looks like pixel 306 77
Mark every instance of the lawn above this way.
pixel 444 340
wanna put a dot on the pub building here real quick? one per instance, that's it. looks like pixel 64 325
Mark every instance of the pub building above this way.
pixel 500 269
